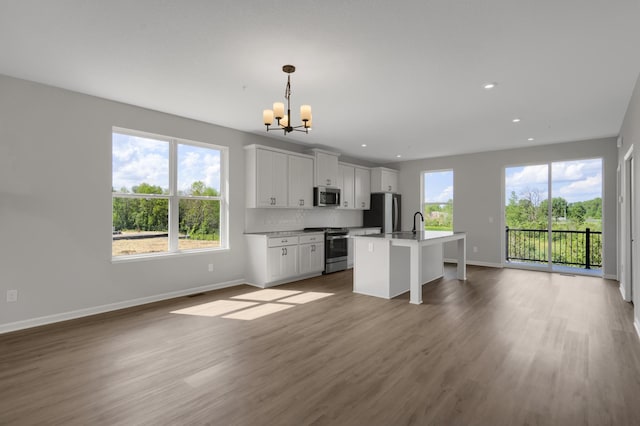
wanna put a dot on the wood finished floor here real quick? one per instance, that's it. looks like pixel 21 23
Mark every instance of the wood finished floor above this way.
pixel 506 347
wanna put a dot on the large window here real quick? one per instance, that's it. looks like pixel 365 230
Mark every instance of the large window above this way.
pixel 168 195
pixel 553 215
pixel 437 200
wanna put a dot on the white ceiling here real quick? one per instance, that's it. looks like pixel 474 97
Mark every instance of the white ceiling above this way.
pixel 404 77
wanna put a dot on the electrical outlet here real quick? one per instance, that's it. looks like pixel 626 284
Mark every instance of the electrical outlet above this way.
pixel 475 249
pixel 12 295
pixel 211 267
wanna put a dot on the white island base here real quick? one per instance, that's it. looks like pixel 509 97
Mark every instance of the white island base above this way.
pixel 387 265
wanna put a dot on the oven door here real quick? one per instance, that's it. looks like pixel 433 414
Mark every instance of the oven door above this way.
pixel 335 247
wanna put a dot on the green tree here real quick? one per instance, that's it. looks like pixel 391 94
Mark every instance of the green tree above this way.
pixel 576 213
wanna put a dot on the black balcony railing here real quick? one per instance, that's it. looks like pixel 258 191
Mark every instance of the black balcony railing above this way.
pixel 573 248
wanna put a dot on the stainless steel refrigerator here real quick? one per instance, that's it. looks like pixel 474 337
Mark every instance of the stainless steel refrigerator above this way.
pixel 384 213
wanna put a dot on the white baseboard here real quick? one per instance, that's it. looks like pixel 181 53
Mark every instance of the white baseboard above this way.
pixel 610 277
pixel 623 293
pixel 476 263
pixel 50 319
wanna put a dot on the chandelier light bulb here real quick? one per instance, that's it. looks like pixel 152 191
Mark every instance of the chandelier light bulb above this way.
pixel 267 117
pixel 305 112
pixel 278 110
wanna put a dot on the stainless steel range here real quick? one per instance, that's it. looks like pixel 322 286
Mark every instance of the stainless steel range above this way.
pixel 335 248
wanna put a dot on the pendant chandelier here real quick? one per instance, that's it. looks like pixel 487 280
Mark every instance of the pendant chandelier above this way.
pixel 283 120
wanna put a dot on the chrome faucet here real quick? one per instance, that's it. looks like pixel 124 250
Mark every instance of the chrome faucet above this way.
pixel 414 220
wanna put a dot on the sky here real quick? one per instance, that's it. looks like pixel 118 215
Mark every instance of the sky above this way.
pixel 438 186
pixel 136 160
pixel 574 181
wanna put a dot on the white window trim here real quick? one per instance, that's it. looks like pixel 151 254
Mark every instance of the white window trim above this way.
pixel 174 198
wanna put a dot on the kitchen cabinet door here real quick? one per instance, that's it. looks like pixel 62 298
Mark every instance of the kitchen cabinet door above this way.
pixel 362 188
pixel 346 184
pixel 326 169
pixel 384 180
pixel 282 262
pixel 271 179
pixel 311 258
pixel 300 182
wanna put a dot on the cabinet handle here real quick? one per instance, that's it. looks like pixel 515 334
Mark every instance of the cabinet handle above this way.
pixel 284 241
pixel 346 204
pixel 389 187
pixel 363 204
pixel 302 202
pixel 313 248
pixel 283 251
pixel 328 181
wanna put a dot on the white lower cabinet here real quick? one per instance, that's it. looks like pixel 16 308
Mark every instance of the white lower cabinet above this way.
pixel 278 260
pixel 282 262
pixel 311 254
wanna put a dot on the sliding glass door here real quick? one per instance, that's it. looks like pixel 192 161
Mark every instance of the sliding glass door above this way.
pixel 553 216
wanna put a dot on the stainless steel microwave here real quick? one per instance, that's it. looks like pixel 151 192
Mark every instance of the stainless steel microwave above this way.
pixel 326 197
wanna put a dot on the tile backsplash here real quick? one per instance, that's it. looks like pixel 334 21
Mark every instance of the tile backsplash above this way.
pixel 271 220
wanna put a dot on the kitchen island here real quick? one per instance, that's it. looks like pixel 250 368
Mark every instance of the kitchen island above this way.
pixel 387 265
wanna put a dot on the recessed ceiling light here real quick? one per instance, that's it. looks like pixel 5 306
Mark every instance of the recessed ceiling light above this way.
pixel 398 156
pixel 516 120
pixel 530 139
pixel 364 145
pixel 489 86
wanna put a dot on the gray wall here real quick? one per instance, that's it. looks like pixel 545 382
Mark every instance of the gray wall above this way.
pixel 478 182
pixel 630 135
pixel 55 203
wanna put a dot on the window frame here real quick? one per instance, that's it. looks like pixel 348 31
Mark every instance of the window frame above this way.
pixel 424 203
pixel 173 197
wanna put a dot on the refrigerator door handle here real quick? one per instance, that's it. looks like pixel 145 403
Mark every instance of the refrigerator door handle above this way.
pixel 395 214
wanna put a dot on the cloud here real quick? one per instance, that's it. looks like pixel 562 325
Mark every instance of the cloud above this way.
pixel 198 164
pixel 529 175
pixel 136 160
pixel 443 197
pixel 575 170
pixel 585 189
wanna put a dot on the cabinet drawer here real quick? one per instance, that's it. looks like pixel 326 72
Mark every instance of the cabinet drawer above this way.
pixel 315 238
pixel 283 241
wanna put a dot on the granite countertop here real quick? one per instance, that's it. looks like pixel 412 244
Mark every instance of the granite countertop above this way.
pixel 284 233
pixel 408 235
pixel 302 232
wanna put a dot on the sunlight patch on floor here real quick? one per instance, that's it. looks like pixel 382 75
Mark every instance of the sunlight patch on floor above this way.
pixel 246 311
pixel 214 309
pixel 258 312
pixel 267 295
pixel 305 297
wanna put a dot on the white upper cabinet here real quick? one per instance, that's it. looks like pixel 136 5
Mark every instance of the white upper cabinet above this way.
pixel 277 178
pixel 355 187
pixel 346 184
pixel 271 179
pixel 384 180
pixel 300 182
pixel 362 186
pixel 326 168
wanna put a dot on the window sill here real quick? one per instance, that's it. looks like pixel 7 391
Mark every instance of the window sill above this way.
pixel 165 255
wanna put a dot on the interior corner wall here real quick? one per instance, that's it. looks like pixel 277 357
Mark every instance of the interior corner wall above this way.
pixel 55 206
pixel 630 137
pixel 478 192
